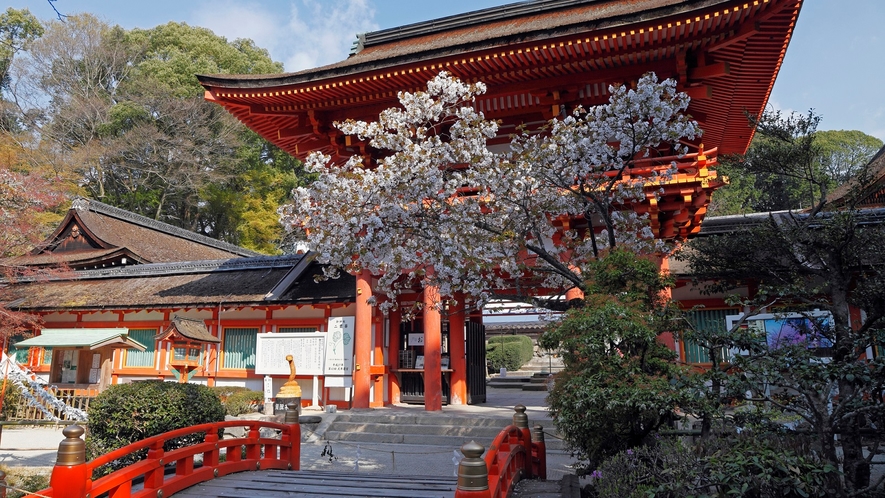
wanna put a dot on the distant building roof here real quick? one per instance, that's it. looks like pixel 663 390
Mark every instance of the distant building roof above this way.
pixel 872 195
pixel 96 235
pixel 194 284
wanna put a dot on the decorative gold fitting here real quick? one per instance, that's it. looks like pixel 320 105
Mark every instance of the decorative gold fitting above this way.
pixel 538 434
pixel 473 475
pixel 215 472
pixel 520 419
pixel 289 466
pixel 161 461
pixel 257 465
pixel 72 450
pixel 159 493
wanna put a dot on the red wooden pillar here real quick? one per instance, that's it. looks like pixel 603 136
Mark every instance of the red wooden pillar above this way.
pixel 378 363
pixel 666 338
pixel 362 341
pixel 432 347
pixel 457 355
pixel 393 389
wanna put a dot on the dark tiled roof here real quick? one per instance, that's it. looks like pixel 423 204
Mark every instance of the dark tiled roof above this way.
pixel 870 196
pixel 197 284
pixel 122 232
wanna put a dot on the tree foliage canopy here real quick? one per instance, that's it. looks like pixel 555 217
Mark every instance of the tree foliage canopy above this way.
pixel 821 260
pixel 122 110
pixel 484 220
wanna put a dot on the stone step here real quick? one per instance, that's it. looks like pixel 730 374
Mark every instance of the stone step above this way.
pixel 421 429
pixel 373 417
pixel 450 429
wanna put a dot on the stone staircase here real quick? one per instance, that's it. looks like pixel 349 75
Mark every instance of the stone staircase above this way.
pixel 525 380
pixel 366 427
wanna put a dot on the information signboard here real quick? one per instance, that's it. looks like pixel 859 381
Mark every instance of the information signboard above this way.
pixel 339 347
pixel 307 350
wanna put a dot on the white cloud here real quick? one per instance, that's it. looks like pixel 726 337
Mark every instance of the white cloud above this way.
pixel 302 34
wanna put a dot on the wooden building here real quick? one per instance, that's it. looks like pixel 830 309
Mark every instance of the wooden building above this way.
pixel 538 59
pixel 133 279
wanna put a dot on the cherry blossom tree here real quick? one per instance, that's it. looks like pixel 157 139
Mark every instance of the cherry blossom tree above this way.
pixel 27 196
pixel 442 208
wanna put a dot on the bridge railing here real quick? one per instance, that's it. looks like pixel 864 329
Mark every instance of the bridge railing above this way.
pixel 516 453
pixel 213 457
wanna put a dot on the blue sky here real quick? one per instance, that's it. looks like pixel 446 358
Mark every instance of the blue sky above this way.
pixel 835 63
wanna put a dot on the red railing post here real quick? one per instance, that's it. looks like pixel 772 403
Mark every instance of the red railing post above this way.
pixel 539 452
pixel 70 477
pixel 473 474
pixel 253 449
pixel 153 479
pixel 521 420
pixel 294 453
pixel 211 457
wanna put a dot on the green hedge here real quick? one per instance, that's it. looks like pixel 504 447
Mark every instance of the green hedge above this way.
pixel 509 351
pixel 126 413
pixel 238 400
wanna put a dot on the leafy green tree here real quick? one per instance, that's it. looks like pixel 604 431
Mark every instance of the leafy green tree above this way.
pixel 124 111
pixel 17 29
pixel 771 177
pixel 824 260
pixel 619 383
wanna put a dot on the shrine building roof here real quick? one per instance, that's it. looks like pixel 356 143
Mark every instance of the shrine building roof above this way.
pixel 181 285
pixel 96 235
pixel 538 59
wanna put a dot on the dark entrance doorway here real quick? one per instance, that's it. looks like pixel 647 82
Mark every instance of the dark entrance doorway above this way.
pixel 476 363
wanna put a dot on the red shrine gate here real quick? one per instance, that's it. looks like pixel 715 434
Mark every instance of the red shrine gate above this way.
pixel 538 60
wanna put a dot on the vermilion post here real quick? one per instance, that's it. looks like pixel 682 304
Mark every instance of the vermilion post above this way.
pixel 521 420
pixel 432 346
pixel 394 318
pixel 294 436
pixel 70 476
pixel 457 356
pixel 362 340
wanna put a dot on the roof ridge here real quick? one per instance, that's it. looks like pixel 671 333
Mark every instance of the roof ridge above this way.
pixel 85 204
pixel 179 268
pixel 465 19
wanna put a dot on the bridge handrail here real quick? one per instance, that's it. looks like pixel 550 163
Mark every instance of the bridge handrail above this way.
pixel 507 460
pixel 516 453
pixel 72 475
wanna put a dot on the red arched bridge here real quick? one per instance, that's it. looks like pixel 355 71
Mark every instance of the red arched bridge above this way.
pixel 272 465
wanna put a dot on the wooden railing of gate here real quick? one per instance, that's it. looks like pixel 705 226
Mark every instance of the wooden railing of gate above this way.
pixel 72 474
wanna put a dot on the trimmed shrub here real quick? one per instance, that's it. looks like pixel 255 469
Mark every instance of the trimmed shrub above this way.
pixel 242 402
pixel 734 465
pixel 509 351
pixel 126 413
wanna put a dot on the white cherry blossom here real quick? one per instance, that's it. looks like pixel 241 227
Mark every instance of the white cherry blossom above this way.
pixel 482 221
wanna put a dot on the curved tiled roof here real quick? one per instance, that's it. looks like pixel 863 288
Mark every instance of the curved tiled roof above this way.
pixel 110 233
pixel 194 284
pixel 534 55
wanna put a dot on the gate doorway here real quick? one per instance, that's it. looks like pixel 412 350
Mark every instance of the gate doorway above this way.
pixel 476 363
